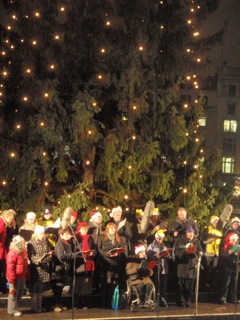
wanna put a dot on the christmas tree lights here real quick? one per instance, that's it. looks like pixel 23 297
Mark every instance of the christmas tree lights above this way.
pixel 95 88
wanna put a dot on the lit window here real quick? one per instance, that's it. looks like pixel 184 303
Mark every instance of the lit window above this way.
pixel 229 145
pixel 202 122
pixel 227 165
pixel 230 126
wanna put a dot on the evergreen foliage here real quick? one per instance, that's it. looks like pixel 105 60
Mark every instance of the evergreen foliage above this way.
pixel 109 121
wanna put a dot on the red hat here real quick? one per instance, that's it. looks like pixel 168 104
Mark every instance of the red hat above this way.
pixel 94 215
pixel 74 214
pixel 82 224
pixel 138 248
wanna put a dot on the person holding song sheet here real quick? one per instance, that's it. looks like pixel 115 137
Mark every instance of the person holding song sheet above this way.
pixel 123 227
pixel 139 270
pixel 187 250
pixel 159 251
pixel 228 268
pixel 111 263
pixel 85 264
pixel 39 254
pixel 62 266
pixel 27 228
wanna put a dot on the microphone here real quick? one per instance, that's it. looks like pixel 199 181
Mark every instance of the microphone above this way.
pixel 226 213
pixel 149 208
pixel 66 217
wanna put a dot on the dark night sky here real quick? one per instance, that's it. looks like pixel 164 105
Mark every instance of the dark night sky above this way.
pixel 230 51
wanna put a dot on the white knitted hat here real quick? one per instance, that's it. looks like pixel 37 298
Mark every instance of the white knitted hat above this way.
pixel 114 210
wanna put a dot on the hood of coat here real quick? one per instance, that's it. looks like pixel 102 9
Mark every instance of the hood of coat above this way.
pixel 15 248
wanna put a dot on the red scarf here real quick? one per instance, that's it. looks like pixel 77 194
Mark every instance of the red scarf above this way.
pixel 89 264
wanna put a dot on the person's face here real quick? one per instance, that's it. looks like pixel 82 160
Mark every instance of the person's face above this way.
pixel 117 215
pixel 48 216
pixel 83 230
pixel 41 236
pixel 154 218
pixel 66 236
pixel 190 235
pixel 214 223
pixel 235 225
pixel 10 219
pixel 73 220
pixel 182 214
pixel 112 230
pixel 98 220
pixel 142 254
pixel 159 239
pixel 31 221
pixel 234 241
pixel 23 245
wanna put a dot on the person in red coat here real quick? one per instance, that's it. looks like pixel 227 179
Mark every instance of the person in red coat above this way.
pixel 6 219
pixel 16 273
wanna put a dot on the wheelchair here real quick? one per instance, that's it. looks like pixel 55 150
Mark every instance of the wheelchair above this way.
pixel 134 299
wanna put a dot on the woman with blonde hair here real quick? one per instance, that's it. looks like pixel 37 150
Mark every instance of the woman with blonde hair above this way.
pixel 6 220
pixel 110 247
pixel 39 254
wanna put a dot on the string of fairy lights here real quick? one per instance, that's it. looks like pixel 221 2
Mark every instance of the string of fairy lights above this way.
pixel 9 46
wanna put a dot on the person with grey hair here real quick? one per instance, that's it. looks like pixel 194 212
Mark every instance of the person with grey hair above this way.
pixel 27 228
pixel 39 254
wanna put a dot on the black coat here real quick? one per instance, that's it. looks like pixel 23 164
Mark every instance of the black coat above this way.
pixel 109 264
pixel 186 263
pixel 63 258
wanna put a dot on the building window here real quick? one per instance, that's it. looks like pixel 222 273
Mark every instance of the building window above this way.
pixel 232 89
pixel 227 165
pixel 202 122
pixel 229 145
pixel 231 108
pixel 230 126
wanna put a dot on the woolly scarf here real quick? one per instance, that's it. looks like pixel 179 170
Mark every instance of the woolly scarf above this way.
pixel 112 238
pixel 89 264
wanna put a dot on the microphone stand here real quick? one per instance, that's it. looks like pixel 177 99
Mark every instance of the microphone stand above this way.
pixel 236 287
pixel 76 246
pixel 158 275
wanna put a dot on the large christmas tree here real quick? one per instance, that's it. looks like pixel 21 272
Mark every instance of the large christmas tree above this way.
pixel 90 104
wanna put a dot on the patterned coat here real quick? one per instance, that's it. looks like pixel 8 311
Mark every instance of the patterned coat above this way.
pixel 39 272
